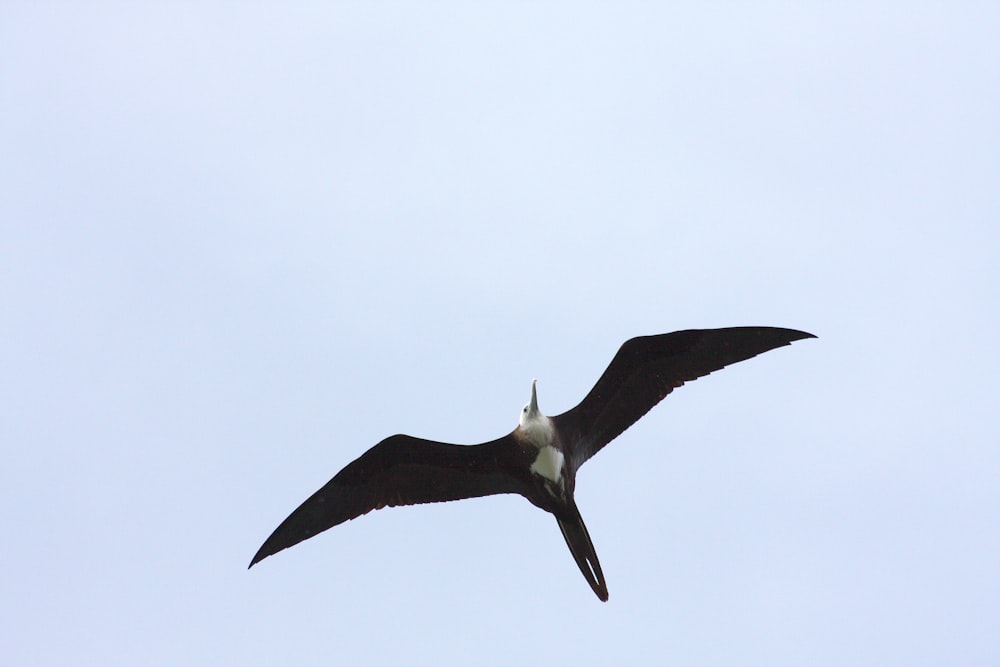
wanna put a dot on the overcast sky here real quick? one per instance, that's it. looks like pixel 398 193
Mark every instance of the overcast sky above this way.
pixel 242 244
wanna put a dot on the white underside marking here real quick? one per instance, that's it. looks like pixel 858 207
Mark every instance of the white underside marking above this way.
pixel 549 463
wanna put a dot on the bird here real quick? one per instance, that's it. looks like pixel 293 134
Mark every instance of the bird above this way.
pixel 540 458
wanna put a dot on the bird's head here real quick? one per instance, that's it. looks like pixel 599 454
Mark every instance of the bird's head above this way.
pixel 530 411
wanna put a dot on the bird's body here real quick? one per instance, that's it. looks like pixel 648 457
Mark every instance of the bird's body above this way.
pixel 538 459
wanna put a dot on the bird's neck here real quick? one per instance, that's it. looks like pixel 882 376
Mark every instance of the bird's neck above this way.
pixel 538 430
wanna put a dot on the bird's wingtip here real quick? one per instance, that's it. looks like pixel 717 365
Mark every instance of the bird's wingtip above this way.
pixel 258 557
pixel 800 335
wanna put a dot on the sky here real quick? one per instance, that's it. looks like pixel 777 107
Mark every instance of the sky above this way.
pixel 242 243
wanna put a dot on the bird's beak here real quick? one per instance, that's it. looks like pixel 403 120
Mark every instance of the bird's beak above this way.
pixel 533 406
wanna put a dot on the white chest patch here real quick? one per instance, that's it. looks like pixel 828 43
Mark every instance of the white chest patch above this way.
pixel 549 464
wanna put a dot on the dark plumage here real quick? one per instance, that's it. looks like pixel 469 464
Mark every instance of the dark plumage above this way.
pixel 538 459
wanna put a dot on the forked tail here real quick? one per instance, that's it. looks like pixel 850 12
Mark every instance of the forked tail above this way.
pixel 578 540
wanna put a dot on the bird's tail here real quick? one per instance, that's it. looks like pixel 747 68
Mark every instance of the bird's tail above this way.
pixel 578 540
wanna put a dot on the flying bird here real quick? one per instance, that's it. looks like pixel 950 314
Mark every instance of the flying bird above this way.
pixel 540 458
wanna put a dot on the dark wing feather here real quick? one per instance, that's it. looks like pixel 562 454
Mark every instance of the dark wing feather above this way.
pixel 403 470
pixel 648 368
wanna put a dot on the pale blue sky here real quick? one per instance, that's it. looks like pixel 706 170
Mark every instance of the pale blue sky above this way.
pixel 242 244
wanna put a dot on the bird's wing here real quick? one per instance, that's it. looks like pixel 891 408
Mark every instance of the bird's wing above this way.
pixel 647 368
pixel 402 470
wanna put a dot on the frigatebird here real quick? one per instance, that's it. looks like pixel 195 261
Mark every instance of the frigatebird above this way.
pixel 538 459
